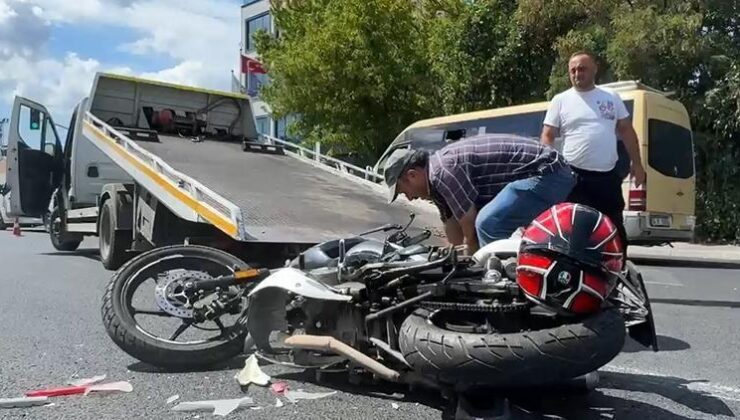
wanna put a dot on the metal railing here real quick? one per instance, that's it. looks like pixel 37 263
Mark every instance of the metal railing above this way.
pixel 315 155
pixel 199 192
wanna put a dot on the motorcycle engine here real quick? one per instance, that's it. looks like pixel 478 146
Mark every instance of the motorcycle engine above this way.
pixel 340 320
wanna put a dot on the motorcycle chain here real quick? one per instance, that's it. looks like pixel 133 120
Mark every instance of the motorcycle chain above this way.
pixel 476 307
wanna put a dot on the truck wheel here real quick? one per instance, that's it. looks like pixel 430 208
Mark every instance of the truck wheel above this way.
pixel 114 244
pixel 3 226
pixel 59 240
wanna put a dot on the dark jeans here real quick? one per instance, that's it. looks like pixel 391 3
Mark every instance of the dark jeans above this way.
pixel 520 202
pixel 602 191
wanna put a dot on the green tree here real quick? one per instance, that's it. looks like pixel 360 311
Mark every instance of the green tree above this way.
pixel 718 154
pixel 355 71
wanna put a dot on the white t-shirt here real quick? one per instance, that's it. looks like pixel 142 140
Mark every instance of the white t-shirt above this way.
pixel 588 123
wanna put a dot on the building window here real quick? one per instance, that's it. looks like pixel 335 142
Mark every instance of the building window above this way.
pixel 255 24
pixel 263 125
pixel 281 127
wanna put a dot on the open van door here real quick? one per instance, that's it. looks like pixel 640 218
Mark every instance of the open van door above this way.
pixel 35 159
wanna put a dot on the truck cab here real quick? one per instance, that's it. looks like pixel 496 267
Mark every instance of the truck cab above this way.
pixel 55 177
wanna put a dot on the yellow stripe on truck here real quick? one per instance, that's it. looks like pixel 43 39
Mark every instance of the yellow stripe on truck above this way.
pixel 214 218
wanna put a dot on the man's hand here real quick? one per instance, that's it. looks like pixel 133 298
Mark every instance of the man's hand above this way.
pixel 454 232
pixel 467 224
pixel 638 174
pixel 627 134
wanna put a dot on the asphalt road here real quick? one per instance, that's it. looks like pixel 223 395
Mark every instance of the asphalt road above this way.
pixel 50 331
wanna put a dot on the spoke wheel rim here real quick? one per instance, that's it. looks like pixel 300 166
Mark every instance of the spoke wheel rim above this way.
pixel 151 271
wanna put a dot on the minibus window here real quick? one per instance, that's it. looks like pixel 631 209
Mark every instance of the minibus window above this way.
pixel 527 125
pixel 670 149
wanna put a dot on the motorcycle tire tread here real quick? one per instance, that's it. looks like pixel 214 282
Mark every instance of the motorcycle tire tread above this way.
pixel 528 358
pixel 136 344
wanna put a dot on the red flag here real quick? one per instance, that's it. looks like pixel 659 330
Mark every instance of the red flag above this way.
pixel 250 65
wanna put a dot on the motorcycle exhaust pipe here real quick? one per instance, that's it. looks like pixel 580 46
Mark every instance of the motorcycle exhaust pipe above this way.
pixel 331 344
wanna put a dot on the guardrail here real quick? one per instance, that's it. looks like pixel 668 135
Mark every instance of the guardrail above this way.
pixel 315 155
pixel 195 189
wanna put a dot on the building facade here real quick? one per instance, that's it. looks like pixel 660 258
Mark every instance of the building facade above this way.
pixel 255 16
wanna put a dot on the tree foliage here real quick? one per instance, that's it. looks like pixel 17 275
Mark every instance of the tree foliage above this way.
pixel 359 71
pixel 355 71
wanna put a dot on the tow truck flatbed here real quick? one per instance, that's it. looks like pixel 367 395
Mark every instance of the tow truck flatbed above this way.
pixel 282 198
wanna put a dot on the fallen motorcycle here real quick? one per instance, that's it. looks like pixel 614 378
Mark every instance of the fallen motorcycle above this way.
pixel 542 307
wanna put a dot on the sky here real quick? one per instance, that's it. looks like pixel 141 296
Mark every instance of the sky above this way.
pixel 50 50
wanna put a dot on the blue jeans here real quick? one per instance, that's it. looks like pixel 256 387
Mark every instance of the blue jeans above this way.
pixel 520 202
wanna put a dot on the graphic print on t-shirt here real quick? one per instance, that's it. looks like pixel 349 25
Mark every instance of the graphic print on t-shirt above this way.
pixel 606 108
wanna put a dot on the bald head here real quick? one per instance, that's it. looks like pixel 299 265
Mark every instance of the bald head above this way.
pixel 582 71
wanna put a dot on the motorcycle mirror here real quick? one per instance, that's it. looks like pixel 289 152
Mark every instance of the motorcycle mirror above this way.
pixel 412 216
pixel 342 251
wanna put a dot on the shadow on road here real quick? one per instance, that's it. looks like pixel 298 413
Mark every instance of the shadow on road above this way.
pixel 695 302
pixel 670 387
pixel 557 404
pixel 232 364
pixel 603 404
pixel 89 253
pixel 665 343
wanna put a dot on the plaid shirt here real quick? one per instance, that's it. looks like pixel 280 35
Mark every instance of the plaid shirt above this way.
pixel 472 171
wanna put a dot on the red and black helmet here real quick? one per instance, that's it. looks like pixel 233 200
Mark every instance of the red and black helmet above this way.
pixel 569 259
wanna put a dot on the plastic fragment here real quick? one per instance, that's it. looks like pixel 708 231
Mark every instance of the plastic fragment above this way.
pixel 122 386
pixel 219 407
pixel 294 396
pixel 23 402
pixel 278 403
pixel 57 392
pixel 395 406
pixel 279 388
pixel 172 399
pixel 252 374
pixel 87 381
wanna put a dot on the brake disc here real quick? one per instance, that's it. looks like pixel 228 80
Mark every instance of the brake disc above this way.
pixel 170 293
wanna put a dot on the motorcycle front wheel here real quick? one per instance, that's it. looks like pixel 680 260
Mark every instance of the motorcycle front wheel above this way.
pixel 539 354
pixel 184 343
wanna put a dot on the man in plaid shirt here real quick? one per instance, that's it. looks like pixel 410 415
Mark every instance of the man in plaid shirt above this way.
pixel 485 186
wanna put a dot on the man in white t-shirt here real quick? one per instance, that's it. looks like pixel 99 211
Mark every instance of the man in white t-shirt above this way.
pixel 591 120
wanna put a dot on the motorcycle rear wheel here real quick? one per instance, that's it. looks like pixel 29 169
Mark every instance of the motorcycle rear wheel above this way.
pixel 536 357
pixel 118 313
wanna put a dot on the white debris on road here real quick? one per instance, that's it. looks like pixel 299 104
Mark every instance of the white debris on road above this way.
pixel 23 402
pixel 218 407
pixel 87 381
pixel 252 374
pixel 294 396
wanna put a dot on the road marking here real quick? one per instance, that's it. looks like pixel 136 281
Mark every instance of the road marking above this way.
pixel 722 392
pixel 663 283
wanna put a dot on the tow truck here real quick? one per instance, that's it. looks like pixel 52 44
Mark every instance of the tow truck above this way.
pixel 147 164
